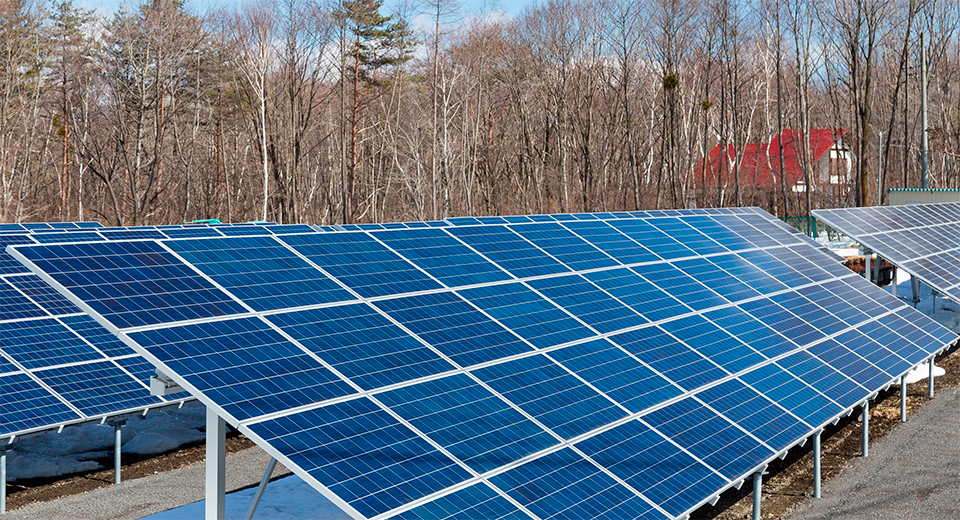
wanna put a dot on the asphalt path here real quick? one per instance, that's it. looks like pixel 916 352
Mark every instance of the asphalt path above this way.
pixel 912 472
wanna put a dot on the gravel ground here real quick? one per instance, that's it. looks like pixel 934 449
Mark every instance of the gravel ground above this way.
pixel 140 497
pixel 913 472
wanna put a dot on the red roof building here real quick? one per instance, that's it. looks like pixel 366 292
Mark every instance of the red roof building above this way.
pixel 759 163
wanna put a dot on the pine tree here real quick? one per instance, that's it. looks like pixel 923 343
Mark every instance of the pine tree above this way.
pixel 376 42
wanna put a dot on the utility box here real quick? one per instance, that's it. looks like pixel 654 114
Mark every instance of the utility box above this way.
pixel 901 196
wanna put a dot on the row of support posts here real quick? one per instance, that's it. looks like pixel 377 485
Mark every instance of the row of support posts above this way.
pixel 4 448
pixel 865 439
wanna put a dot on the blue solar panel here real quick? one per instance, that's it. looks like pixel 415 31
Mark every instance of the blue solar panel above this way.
pixel 565 485
pixel 361 453
pixel 39 343
pixel 289 229
pixel 675 282
pixel 791 393
pixel 530 316
pixel 608 392
pixel 76 236
pixel 130 234
pixel 71 352
pixel 8 264
pixel 441 255
pixel 133 283
pixel 454 327
pixel 361 263
pixel 261 272
pixel 719 281
pixel 612 242
pixel 563 245
pixel 713 343
pixel 654 466
pixel 233 231
pixel 97 388
pixel 764 418
pixel 44 295
pixel 476 501
pixel 617 374
pixel 139 368
pixel 245 365
pixel 710 437
pixel 638 293
pixel 509 250
pixel 836 386
pixel 676 361
pixel 550 394
pixel 469 421
pixel 362 345
pixel 25 405
pixel 14 305
pixel 90 330
pixel 192 232
pixel 588 303
pixel 658 242
pixel 763 339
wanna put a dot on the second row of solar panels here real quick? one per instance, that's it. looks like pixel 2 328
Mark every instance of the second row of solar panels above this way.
pixel 57 365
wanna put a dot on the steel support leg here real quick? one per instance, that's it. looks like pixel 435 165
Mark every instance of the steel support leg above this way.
pixel 214 507
pixel 116 451
pixel 865 428
pixel 893 289
pixel 3 480
pixel 867 273
pixel 757 488
pixel 903 398
pixel 930 379
pixel 915 289
pixel 260 489
pixel 816 465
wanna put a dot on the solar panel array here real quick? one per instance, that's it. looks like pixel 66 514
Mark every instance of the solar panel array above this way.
pixel 921 239
pixel 621 366
pixel 57 365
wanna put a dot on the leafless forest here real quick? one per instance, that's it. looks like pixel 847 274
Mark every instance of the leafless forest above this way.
pixel 318 112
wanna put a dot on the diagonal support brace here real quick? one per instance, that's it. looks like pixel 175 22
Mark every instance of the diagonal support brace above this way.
pixel 261 488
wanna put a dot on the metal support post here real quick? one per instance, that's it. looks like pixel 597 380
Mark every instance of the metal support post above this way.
pixel 930 379
pixel 757 488
pixel 816 465
pixel 116 449
pixel 876 271
pixel 260 489
pixel 903 398
pixel 867 273
pixel 915 289
pixel 215 505
pixel 3 480
pixel 893 289
pixel 865 428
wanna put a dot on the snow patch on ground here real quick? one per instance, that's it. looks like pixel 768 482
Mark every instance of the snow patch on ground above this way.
pixel 835 241
pixel 51 454
pixel 289 498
